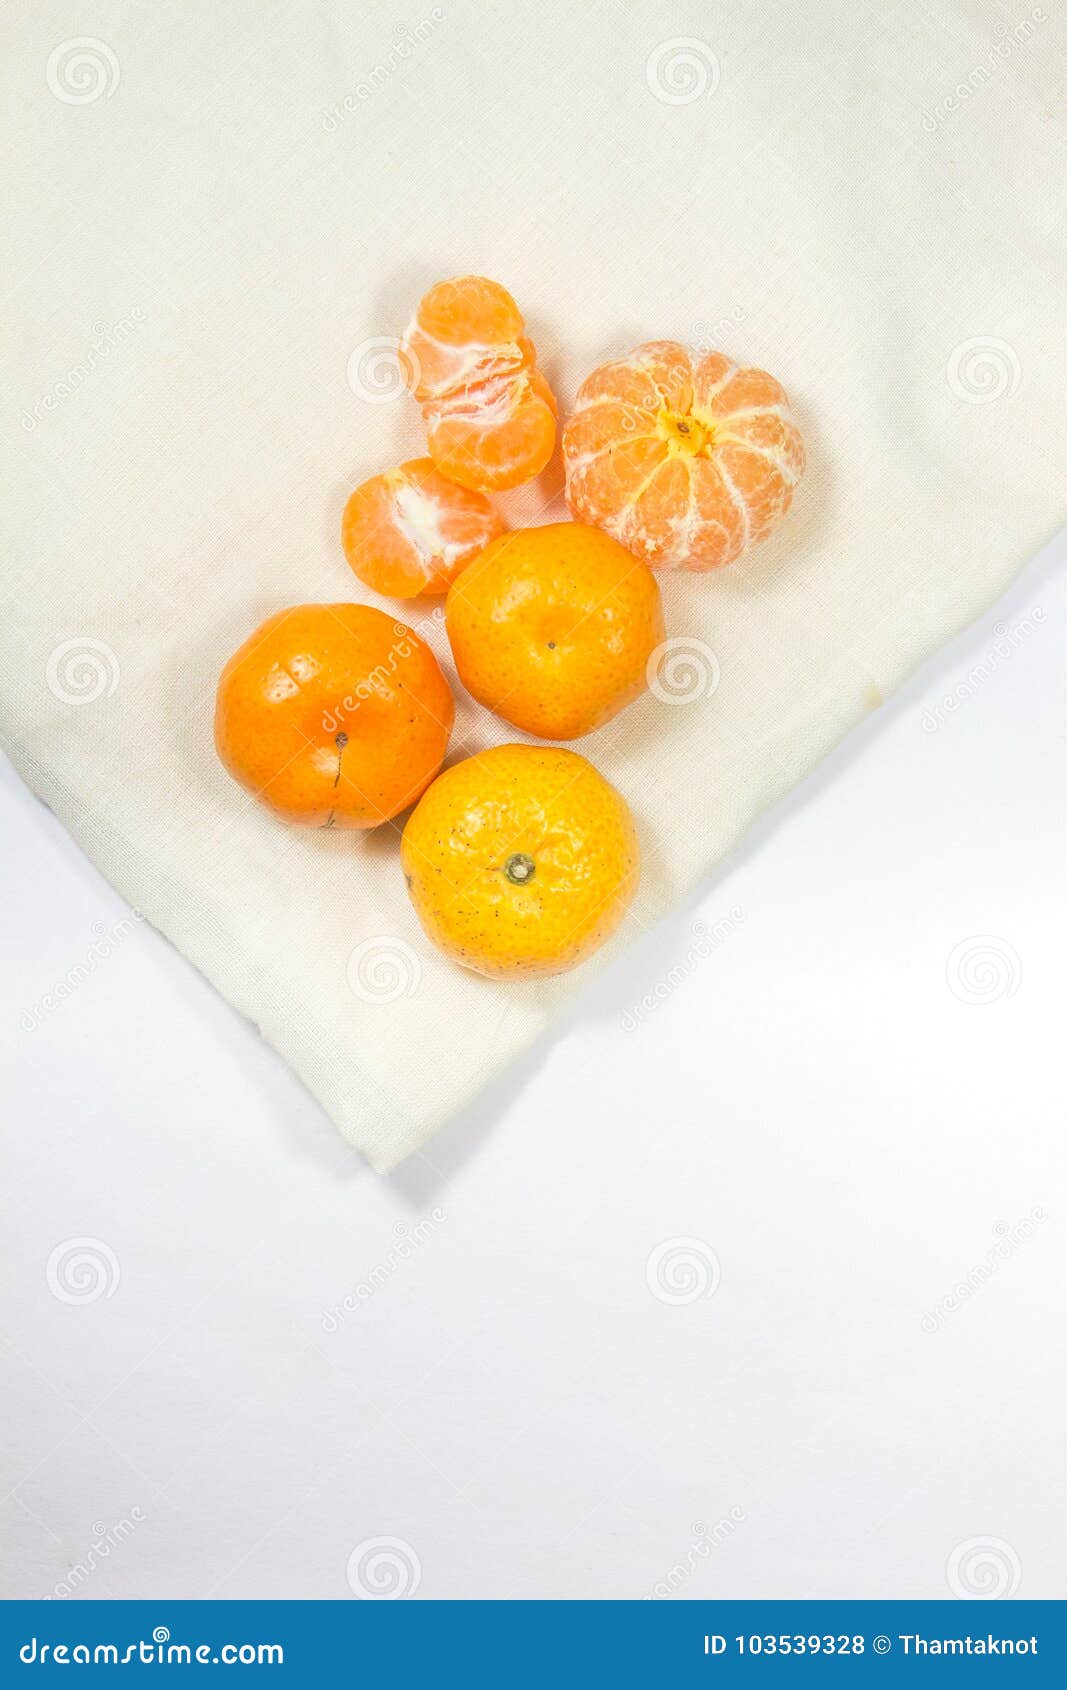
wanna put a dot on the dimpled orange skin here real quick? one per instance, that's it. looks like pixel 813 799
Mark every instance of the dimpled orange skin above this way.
pixel 521 860
pixel 333 715
pixel 552 628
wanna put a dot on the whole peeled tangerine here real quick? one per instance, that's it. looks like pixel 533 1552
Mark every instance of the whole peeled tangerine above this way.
pixel 553 628
pixel 521 860
pixel 333 715
pixel 688 461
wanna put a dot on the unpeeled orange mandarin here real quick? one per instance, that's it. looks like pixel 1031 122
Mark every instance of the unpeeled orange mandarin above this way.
pixel 521 860
pixel 333 715
pixel 412 531
pixel 685 462
pixel 553 628
pixel 490 414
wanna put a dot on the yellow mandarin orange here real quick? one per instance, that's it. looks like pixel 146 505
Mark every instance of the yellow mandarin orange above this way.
pixel 490 414
pixel 521 860
pixel 333 715
pixel 552 628
pixel 411 531
pixel 686 463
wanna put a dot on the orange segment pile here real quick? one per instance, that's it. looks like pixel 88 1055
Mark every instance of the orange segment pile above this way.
pixel 411 531
pixel 685 463
pixel 490 415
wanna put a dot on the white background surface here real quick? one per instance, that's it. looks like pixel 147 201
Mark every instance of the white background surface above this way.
pixel 820 1101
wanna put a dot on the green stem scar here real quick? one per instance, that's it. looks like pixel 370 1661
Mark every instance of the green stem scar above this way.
pixel 520 868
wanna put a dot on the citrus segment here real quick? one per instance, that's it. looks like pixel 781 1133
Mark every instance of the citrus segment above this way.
pixel 412 530
pixel 489 412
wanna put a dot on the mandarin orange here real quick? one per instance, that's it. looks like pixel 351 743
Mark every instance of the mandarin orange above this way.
pixel 411 531
pixel 521 860
pixel 333 715
pixel 685 463
pixel 553 627
pixel 490 414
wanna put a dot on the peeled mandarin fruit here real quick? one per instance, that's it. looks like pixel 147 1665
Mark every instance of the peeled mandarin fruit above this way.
pixel 686 464
pixel 411 531
pixel 553 627
pixel 333 715
pixel 490 415
pixel 520 861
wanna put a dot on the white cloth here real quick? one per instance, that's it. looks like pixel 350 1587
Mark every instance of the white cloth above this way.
pixel 224 207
